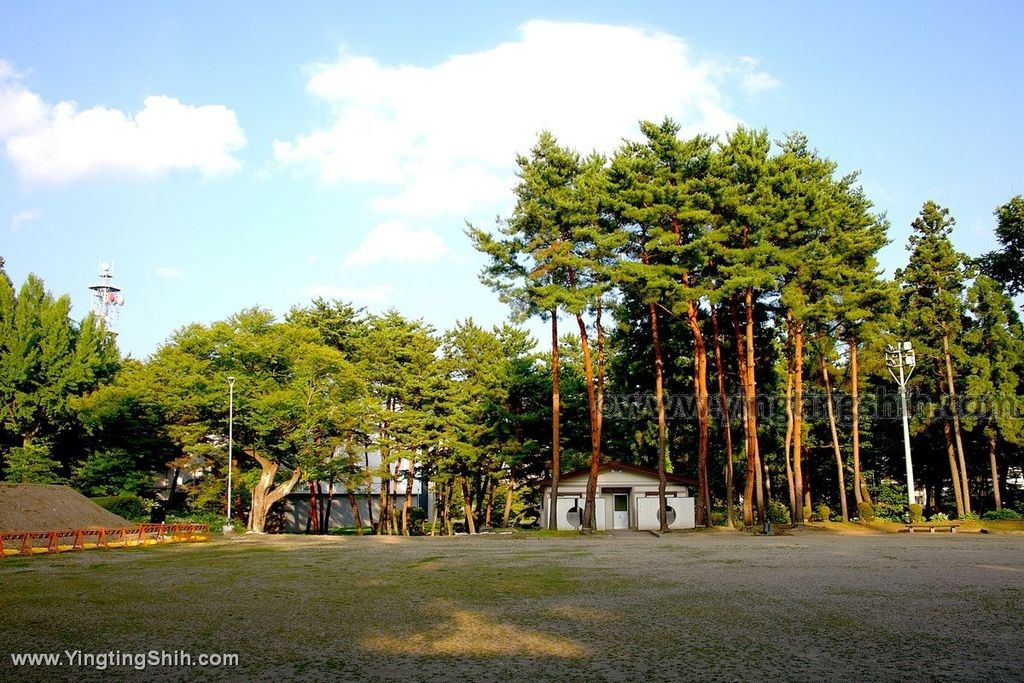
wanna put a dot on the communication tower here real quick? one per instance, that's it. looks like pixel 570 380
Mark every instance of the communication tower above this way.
pixel 106 298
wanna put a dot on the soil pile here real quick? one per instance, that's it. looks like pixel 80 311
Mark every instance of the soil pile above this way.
pixel 37 507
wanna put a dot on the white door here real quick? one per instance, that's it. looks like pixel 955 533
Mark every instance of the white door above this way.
pixel 620 520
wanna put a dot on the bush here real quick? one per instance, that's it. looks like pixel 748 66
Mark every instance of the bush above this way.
pixel 866 511
pixel 417 521
pixel 890 501
pixel 1005 513
pixel 939 517
pixel 778 513
pixel 214 519
pixel 824 513
pixel 916 514
pixel 807 513
pixel 126 505
pixel 969 517
pixel 31 464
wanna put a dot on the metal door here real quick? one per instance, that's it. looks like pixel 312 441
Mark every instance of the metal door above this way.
pixel 620 519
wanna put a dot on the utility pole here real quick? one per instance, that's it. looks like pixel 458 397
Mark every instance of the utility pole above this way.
pixel 897 358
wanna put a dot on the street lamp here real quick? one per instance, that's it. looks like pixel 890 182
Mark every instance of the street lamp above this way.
pixel 231 438
pixel 896 359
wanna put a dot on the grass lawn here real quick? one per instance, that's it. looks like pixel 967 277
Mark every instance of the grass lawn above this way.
pixel 727 606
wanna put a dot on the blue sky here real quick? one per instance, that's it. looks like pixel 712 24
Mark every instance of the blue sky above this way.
pixel 223 155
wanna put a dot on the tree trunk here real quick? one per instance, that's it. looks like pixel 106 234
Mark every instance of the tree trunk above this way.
pixel 325 521
pixel 723 400
pixel 555 423
pixel 172 488
pixel 953 470
pixel 798 425
pixel 700 383
pixel 995 469
pixel 356 517
pixel 508 502
pixel 659 399
pixel 748 450
pixel 385 484
pixel 393 527
pixel 835 439
pixel 858 483
pixel 748 297
pixel 266 492
pixel 470 525
pixel 787 444
pixel 490 501
pixel 954 409
pixel 410 477
pixel 600 367
pixel 589 520
pixel 759 484
pixel 446 511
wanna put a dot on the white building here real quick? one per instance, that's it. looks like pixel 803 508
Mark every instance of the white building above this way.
pixel 627 498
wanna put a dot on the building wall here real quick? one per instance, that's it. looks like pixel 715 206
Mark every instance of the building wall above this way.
pixel 647 512
pixel 639 487
pixel 295 510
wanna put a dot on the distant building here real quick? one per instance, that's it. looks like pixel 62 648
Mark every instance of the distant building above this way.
pixel 627 498
pixel 294 507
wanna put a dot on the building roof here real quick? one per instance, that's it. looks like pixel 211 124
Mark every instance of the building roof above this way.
pixel 618 465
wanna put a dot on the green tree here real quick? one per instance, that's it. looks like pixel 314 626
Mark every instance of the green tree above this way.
pixel 1007 264
pixel 931 290
pixel 45 360
pixel 746 265
pixel 996 349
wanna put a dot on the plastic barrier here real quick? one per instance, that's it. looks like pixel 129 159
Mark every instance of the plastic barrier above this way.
pixel 20 543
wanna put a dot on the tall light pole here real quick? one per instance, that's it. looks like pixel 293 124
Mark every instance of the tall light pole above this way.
pixel 231 438
pixel 896 359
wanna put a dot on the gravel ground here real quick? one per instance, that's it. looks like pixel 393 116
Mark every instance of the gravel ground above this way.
pixel 809 606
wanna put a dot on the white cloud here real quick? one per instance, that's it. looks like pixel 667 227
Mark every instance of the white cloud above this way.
pixel 370 294
pixel 60 143
pixel 753 81
pixel 27 216
pixel 394 241
pixel 448 134
pixel 169 273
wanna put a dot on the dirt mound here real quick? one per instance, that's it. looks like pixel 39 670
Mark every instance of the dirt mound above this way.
pixel 35 507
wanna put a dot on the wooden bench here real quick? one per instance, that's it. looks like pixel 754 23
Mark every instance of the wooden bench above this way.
pixel 931 528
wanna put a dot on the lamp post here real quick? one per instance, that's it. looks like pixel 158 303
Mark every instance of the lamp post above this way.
pixel 896 359
pixel 231 437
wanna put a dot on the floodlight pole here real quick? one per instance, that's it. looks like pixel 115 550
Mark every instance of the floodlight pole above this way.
pixel 898 357
pixel 231 437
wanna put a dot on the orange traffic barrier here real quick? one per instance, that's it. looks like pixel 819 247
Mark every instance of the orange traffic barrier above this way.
pixel 62 540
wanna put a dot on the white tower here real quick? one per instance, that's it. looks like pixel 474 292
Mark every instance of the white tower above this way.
pixel 106 298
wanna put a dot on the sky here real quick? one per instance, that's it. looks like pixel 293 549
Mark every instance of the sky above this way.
pixel 223 155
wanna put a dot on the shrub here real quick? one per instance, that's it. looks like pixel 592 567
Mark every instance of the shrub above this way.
pixel 969 517
pixel 31 464
pixel 939 517
pixel 126 505
pixel 778 513
pixel 824 513
pixel 890 501
pixel 1005 513
pixel 866 511
pixel 916 513
pixel 807 513
pixel 214 519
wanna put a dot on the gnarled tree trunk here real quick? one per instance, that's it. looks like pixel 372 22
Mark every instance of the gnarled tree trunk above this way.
pixel 267 492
